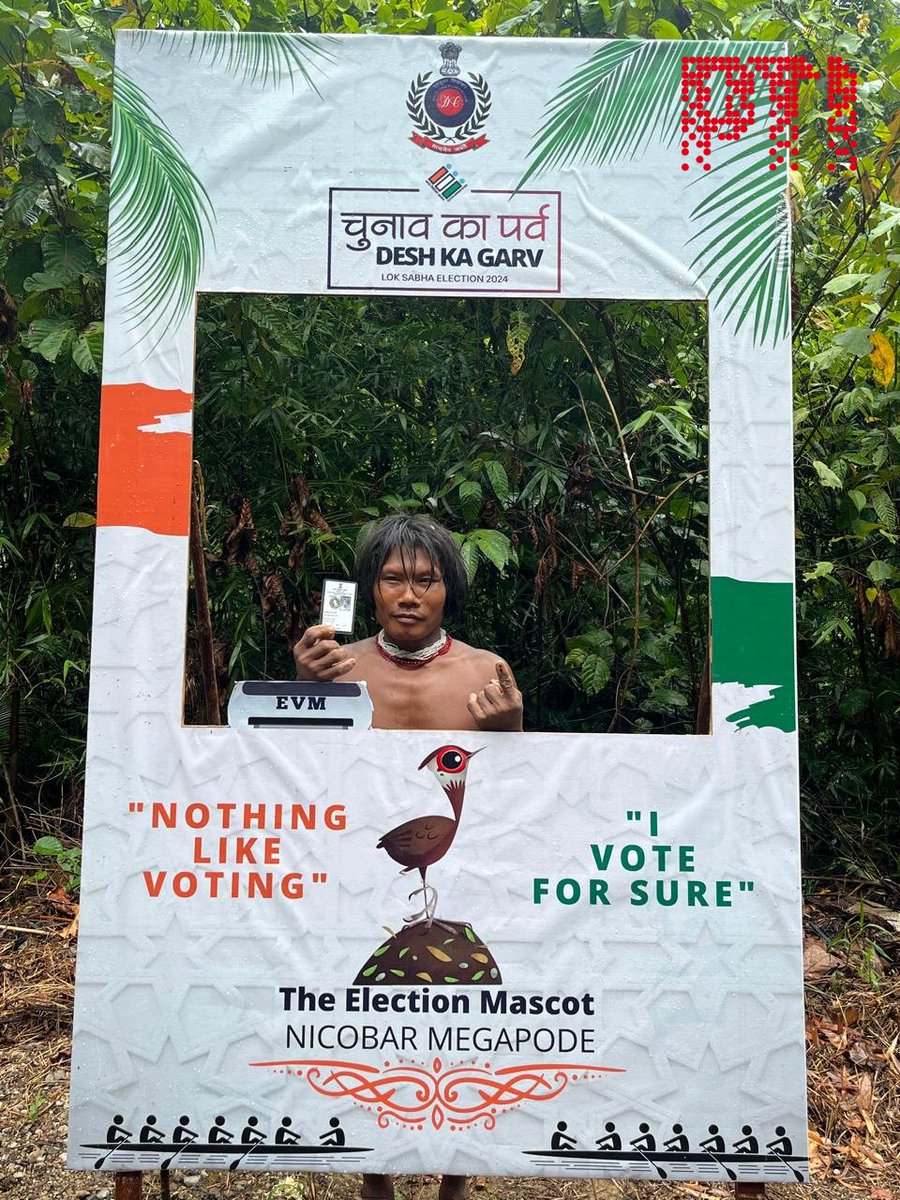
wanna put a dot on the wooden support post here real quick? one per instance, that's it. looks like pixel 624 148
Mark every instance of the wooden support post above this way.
pixel 749 1191
pixel 128 1185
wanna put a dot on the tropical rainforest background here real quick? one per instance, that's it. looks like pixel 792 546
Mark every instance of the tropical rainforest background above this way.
pixel 563 443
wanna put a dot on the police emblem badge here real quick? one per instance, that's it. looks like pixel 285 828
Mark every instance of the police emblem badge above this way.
pixel 449 112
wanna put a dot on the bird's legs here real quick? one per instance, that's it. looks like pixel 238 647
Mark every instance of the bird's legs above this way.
pixel 429 904
pixel 429 901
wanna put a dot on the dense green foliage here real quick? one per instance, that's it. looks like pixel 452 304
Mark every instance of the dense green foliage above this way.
pixel 564 443
pixel 489 415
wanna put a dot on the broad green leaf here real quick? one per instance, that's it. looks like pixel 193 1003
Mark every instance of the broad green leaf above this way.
pixel 79 520
pixel 495 546
pixel 880 571
pixel 87 349
pixel 499 480
pixel 858 340
pixel 665 29
pixel 858 498
pixel 820 570
pixel 66 259
pixel 885 508
pixel 7 106
pixel 827 477
pixel 23 261
pixel 48 846
pixel 22 206
pixel 470 498
pixel 47 336
pixel 889 222
pixel 42 113
pixel 94 154
pixel 595 641
pixel 843 283
pixel 638 423
pixel 469 552
pixel 595 674
pixel 43 281
pixel 856 701
pixel 420 490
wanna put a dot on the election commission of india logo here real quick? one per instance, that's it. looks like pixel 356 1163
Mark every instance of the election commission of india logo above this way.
pixel 449 112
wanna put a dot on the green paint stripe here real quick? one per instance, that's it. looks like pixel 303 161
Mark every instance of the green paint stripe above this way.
pixel 753 643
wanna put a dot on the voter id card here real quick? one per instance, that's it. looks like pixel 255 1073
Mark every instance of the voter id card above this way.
pixel 338 604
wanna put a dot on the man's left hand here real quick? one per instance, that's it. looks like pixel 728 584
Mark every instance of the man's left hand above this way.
pixel 498 706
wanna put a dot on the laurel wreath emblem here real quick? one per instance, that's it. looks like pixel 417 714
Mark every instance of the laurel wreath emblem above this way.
pixel 426 126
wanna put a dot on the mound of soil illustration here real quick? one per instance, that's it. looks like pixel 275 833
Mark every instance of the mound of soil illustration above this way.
pixel 446 952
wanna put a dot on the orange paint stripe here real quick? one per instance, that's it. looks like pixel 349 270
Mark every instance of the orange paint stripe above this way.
pixel 144 477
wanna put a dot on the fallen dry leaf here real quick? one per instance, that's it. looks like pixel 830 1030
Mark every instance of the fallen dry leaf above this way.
pixel 819 1153
pixel 63 902
pixel 862 1155
pixel 817 961
pixel 864 1053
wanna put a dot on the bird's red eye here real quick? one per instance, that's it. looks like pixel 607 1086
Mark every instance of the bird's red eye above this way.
pixel 451 761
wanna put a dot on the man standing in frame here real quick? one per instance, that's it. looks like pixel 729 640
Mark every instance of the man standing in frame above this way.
pixel 412 576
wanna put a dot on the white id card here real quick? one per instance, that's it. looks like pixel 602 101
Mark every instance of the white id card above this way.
pixel 338 604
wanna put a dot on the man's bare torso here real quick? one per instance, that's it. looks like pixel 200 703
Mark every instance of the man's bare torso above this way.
pixel 432 697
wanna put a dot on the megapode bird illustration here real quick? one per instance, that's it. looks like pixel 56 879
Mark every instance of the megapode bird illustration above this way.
pixel 423 841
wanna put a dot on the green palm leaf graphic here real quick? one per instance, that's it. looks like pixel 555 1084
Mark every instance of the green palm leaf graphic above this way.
pixel 256 57
pixel 160 213
pixel 159 210
pixel 628 95
pixel 744 246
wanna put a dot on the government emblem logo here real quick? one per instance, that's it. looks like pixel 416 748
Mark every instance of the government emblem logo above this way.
pixel 449 112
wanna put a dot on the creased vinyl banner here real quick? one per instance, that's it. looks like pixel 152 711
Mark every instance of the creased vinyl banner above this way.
pixel 612 982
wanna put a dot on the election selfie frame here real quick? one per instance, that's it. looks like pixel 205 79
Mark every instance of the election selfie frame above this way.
pixel 234 379
pixel 611 985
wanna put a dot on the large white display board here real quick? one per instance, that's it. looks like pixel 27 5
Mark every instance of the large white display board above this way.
pixel 613 983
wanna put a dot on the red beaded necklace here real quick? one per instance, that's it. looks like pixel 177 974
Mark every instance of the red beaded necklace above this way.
pixel 407 660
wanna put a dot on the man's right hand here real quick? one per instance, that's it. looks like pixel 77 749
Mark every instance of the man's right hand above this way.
pixel 319 658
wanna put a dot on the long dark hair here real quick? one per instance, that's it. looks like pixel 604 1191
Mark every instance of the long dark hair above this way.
pixel 407 536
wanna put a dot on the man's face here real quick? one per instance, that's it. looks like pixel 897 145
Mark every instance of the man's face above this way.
pixel 409 601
